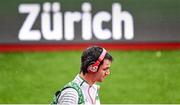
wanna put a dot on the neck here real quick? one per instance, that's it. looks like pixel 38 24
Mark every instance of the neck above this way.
pixel 88 78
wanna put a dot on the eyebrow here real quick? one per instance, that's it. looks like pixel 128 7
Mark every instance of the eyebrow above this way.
pixel 106 68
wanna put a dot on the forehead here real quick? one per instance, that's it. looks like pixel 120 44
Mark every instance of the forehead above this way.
pixel 106 62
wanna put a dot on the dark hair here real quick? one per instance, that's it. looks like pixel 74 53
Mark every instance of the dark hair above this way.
pixel 90 56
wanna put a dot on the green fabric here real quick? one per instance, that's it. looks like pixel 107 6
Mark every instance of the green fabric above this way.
pixel 70 85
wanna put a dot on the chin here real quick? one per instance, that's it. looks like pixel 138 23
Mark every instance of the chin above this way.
pixel 101 80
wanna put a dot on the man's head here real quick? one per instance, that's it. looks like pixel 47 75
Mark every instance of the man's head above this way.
pixel 91 56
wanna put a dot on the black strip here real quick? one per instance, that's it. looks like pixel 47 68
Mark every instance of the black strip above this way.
pixel 82 83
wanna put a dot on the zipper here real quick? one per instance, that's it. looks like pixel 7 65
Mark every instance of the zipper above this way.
pixel 93 102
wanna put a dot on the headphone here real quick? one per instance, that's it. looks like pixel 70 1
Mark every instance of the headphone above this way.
pixel 94 67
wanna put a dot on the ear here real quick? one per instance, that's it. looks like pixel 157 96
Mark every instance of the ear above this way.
pixel 92 68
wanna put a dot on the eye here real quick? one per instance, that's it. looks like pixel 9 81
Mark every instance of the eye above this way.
pixel 105 69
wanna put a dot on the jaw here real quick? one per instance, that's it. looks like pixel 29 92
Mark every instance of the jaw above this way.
pixel 100 80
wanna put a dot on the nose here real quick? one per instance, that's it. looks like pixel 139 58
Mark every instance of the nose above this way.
pixel 107 72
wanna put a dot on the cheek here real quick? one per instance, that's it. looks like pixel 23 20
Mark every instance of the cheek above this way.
pixel 104 74
pixel 101 73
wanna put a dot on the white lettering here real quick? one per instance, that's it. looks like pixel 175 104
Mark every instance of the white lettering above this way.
pixel 56 32
pixel 117 18
pixel 26 33
pixel 86 21
pixel 70 19
pixel 99 18
pixel 52 26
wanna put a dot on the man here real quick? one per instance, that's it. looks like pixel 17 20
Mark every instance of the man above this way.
pixel 95 64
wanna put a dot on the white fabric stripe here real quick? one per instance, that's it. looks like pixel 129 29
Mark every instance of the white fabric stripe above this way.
pixel 69 93
pixel 68 96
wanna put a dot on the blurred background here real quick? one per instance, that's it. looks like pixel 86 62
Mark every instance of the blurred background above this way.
pixel 41 43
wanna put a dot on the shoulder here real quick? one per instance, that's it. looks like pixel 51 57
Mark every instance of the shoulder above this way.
pixel 68 96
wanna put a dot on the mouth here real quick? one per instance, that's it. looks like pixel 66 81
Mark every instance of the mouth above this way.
pixel 104 77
